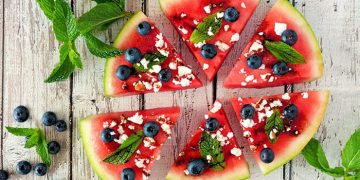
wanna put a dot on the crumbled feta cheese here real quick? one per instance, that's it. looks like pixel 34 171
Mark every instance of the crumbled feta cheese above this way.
pixel 144 63
pixel 243 83
pixel 184 70
pixel 262 66
pixel 280 28
pixel 138 119
pixel 172 66
pixel 226 27
pixel 183 30
pixel 249 78
pixel 256 46
pixel 105 124
pixel 222 46
pixel 205 66
pixel 236 152
pixel 206 116
pixel 286 96
pixel 158 157
pixel 210 33
pixel 261 33
pixel 235 37
pixel 217 106
pixel 131 127
pixel 220 15
pixel 209 158
pixel 159 43
pixel 276 103
pixel 140 163
pixel 230 135
pixel 148 141
pixel 247 123
pixel 243 5
pixel 271 79
pixel 182 15
pixel 268 111
pixel 207 9
pixel 272 135
pixel 120 129
pixel 148 85
pixel 251 140
pixel 155 69
pixel 199 44
pixel 242 71
pixel 157 86
pixel 246 134
pixel 112 124
pixel 305 95
pixel 185 82
pixel 196 22
pixel 112 133
pixel 264 76
pixel 164 52
pixel 166 128
pixel 261 116
pixel 186 172
pixel 122 139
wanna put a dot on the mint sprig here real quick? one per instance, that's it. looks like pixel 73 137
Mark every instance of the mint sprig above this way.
pixel 284 52
pixel 211 147
pixel 274 126
pixel 153 58
pixel 211 24
pixel 99 48
pixel 126 149
pixel 36 137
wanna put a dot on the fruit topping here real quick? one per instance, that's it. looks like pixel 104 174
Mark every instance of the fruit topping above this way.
pixel 291 112
pixel 196 167
pixel 208 51
pixel 107 135
pixel 53 147
pixel 231 14
pixel 267 155
pixel 61 126
pixel 144 28
pixel 4 175
pixel 40 169
pixel 127 174
pixel 23 167
pixel 151 129
pixel 21 114
pixel 280 68
pixel 254 61
pixel 248 112
pixel 49 118
pixel 133 55
pixel 123 72
pixel 212 124
pixel 164 75
pixel 289 37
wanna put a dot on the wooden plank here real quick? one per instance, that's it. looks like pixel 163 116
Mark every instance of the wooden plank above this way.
pixel 30 53
pixel 336 25
pixel 87 96
pixel 1 70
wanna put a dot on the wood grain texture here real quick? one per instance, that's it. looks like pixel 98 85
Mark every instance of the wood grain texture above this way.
pixel 1 76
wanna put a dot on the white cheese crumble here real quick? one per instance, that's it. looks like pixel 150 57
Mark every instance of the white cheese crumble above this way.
pixel 182 15
pixel 184 70
pixel 196 22
pixel 246 134
pixel 226 27
pixel 131 127
pixel 249 78
pixel 147 85
pixel 155 69
pixel 199 44
pixel 122 139
pixel 186 172
pixel 105 124
pixel 140 163
pixel 209 158
pixel 286 96
pixel 144 63
pixel 210 33
pixel 242 71
pixel 235 37
pixel 206 116
pixel 120 129
pixel 305 95
pixel 183 30
pixel 268 111
pixel 165 127
pixel 207 9
pixel 185 82
pixel 148 141
pixel 262 66
pixel 280 28
pixel 157 86
pixel 261 116
pixel 264 76
pixel 220 15
pixel 276 103
pixel 172 66
pixel 243 5
pixel 230 135
pixel 222 46
pixel 160 41
pixel 112 124
pixel 236 152
pixel 138 119
pixel 247 123
pixel 243 83
pixel 205 66
pixel 256 46
pixel 217 106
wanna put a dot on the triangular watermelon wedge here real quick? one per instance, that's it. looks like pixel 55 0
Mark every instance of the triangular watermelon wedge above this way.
pixel 282 16
pixel 186 15
pixel 124 125
pixel 231 163
pixel 296 132
pixel 157 54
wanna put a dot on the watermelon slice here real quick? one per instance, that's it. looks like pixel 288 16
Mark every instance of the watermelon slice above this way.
pixel 125 124
pixel 157 55
pixel 287 142
pixel 282 16
pixel 186 15
pixel 232 165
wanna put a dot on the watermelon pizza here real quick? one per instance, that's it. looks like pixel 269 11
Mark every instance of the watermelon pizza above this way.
pixel 284 50
pixel 279 127
pixel 124 145
pixel 149 63
pixel 209 27
pixel 212 153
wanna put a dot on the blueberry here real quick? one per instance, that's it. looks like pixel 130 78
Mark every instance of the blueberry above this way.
pixel 151 129
pixel 289 37
pixel 53 147
pixel 231 14
pixel 248 111
pixel 267 155
pixel 208 51
pixel 127 174
pixel 49 118
pixel 133 55
pixel 144 28
pixel 165 75
pixel 40 169
pixel 280 68
pixel 107 135
pixel 212 124
pixel 254 61
pixel 123 72
pixel 196 167
pixel 291 112
pixel 21 114
pixel 61 126
pixel 4 175
pixel 23 167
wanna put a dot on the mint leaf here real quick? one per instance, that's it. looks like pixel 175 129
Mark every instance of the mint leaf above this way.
pixel 62 71
pixel 315 156
pixel 206 29
pixel 101 49
pixel 64 23
pixel 22 131
pixel 122 4
pixel 284 52
pixel 153 58
pixel 212 147
pixel 126 149
pixel 74 57
pixel 33 140
pixel 42 150
pixel 350 155
pixel 100 15
pixel 47 6
pixel 274 126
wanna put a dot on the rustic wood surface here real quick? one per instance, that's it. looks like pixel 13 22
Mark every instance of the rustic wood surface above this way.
pixel 29 52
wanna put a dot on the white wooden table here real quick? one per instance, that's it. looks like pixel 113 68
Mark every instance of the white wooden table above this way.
pixel 29 52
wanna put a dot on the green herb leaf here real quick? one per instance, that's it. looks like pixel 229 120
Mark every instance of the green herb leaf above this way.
pixel 126 149
pixel 122 4
pixel 100 15
pixel 350 155
pixel 153 58
pixel 62 71
pixel 22 131
pixel 315 156
pixel 274 126
pixel 47 6
pixel 64 23
pixel 42 150
pixel 209 24
pixel 74 57
pixel 101 49
pixel 284 52
pixel 33 140
pixel 212 147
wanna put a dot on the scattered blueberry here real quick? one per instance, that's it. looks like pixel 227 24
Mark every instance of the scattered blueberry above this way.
pixel 165 75
pixel 144 28
pixel 107 135
pixel 127 174
pixel 212 124
pixel 289 37
pixel 248 111
pixel 254 61
pixel 280 68
pixel 291 112
pixel 49 118
pixel 151 129
pixel 23 167
pixel 4 175
pixel 21 114
pixel 267 155
pixel 196 167
pixel 208 51
pixel 61 126
pixel 40 169
pixel 123 72
pixel 231 14
pixel 53 147
pixel 133 55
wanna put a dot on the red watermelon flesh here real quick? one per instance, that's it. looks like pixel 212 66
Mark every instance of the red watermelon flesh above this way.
pixel 297 133
pixel 142 160
pixel 283 14
pixel 145 82
pixel 186 14
pixel 236 165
